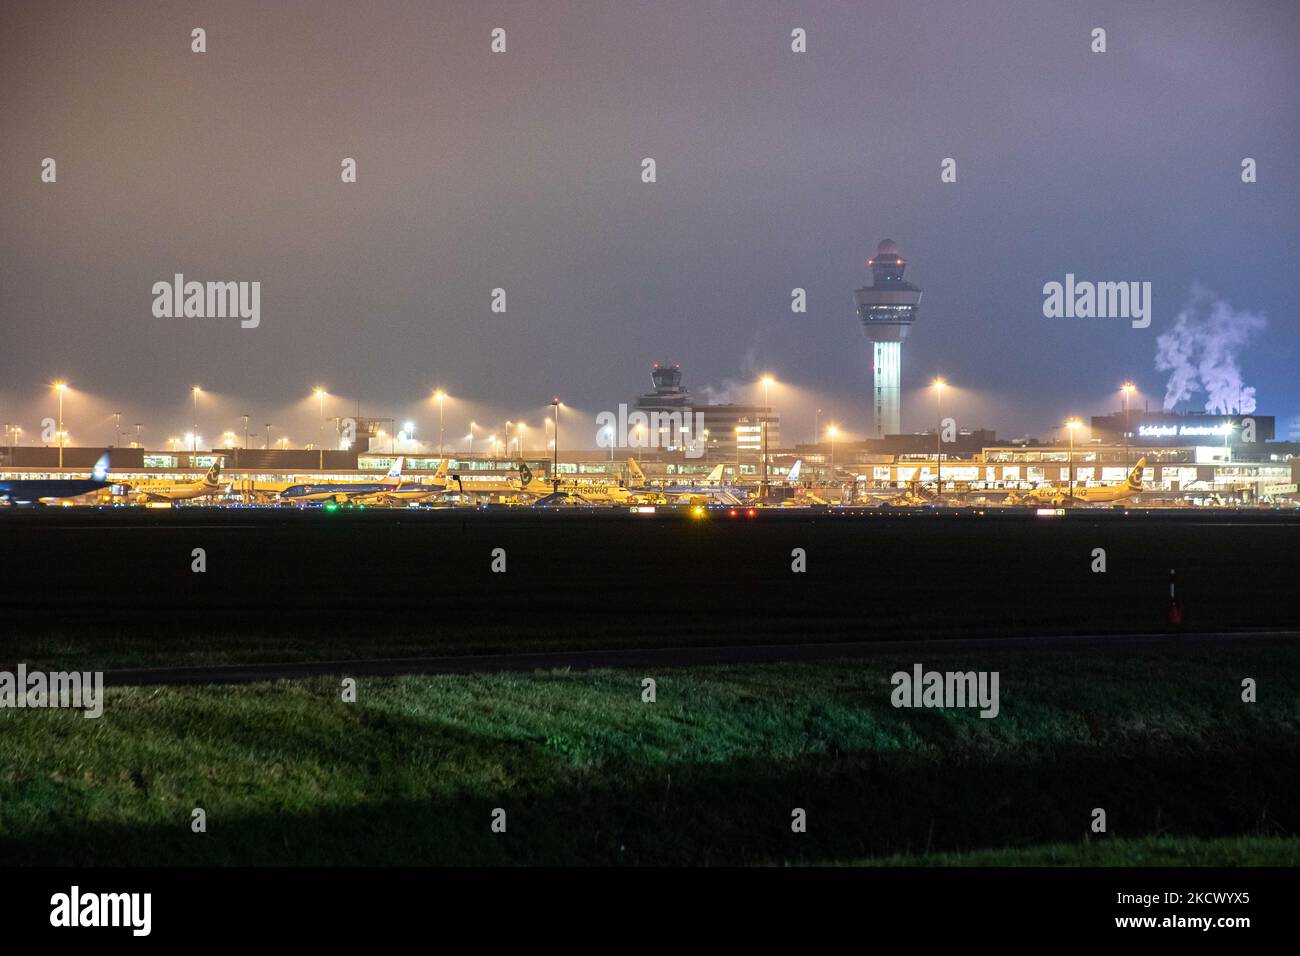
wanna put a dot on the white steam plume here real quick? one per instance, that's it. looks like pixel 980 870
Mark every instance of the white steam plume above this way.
pixel 1200 352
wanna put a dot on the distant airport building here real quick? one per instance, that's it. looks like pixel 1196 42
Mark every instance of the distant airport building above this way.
pixel 1200 472
pixel 887 310
pixel 964 443
pixel 727 430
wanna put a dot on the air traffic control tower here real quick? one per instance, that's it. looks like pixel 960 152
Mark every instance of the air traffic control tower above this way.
pixel 887 310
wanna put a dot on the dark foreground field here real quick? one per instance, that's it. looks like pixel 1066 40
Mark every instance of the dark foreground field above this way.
pixel 115 588
pixel 710 773
pixel 289 773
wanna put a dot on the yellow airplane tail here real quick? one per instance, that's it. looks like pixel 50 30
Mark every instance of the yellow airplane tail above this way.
pixel 634 470
pixel 1135 476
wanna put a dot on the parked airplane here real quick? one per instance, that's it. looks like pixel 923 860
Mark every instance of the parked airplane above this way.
pixel 913 495
pixel 343 492
pixel 1058 495
pixel 405 492
pixel 709 490
pixel 471 486
pixel 177 490
pixel 260 492
pixel 590 492
pixel 563 499
pixel 34 491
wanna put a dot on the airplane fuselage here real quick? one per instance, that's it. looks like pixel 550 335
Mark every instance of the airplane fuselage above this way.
pixel 314 494
pixel 31 491
pixel 181 492
pixel 1099 495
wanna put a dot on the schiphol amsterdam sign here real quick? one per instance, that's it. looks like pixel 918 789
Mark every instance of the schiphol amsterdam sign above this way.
pixel 1218 429
pixel 1181 431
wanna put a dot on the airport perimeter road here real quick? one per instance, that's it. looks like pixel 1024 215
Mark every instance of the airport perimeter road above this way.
pixel 688 656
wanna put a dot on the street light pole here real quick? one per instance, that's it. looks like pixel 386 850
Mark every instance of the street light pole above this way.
pixel 767 414
pixel 1126 389
pixel 59 387
pixel 1070 426
pixel 555 452
pixel 441 396
pixel 832 432
pixel 194 394
pixel 320 394
pixel 938 437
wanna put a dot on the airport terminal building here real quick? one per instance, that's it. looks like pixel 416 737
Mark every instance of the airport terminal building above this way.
pixel 1192 458
pixel 729 432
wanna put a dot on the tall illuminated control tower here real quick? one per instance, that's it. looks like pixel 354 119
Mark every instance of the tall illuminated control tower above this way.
pixel 887 310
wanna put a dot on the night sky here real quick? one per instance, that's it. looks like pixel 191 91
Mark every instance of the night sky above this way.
pixel 522 170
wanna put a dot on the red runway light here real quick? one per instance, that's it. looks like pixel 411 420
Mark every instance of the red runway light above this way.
pixel 751 512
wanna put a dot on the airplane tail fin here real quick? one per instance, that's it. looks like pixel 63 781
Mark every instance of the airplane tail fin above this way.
pixel 1135 476
pixel 441 474
pixel 794 472
pixel 394 475
pixel 525 474
pixel 100 471
pixel 715 476
pixel 634 470
pixel 213 473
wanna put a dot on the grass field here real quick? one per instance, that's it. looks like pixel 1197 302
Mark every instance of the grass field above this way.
pixel 708 774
